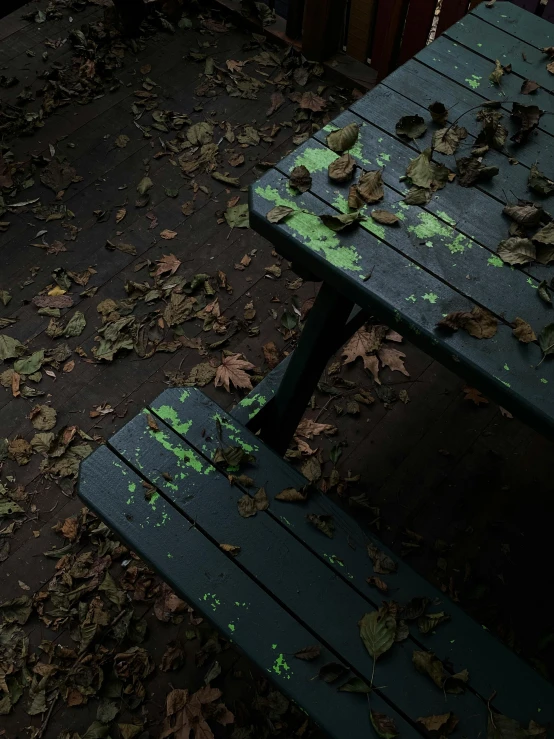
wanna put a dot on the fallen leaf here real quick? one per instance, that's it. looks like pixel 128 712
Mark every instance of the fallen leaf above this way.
pixel 331 672
pixel 121 141
pixel 393 359
pixel 279 213
pixel 363 344
pixel 441 725
pixel 344 138
pixel 439 113
pixel 528 117
pixel 496 75
pixel 57 175
pixel 377 630
pixel 120 215
pixel 342 169
pixel 301 179
pixel 271 354
pixel 43 417
pixel 429 665
pixel 385 217
pixel 237 216
pixel 423 172
pixel 523 331
pixel 370 186
pixel 472 171
pixel 529 86
pixel 291 495
pixel 417 196
pixel 355 685
pixel 474 396
pixel 447 140
pixel 232 371
pixel 526 214
pixel 311 101
pixel 308 429
pixel 429 621
pixel 546 340
pixel 277 100
pixel 516 251
pixel 382 563
pixel 543 292
pixel 376 582
pixel 308 653
pixel 338 222
pixel 144 185
pixel 322 521
pixel 411 126
pixel 539 182
pixel 231 549
pixel 167 234
pixel 167 264
pixel 383 725
pixel 478 323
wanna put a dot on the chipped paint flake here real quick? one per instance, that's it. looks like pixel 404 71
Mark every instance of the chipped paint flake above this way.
pixel 280 666
pixel 495 261
pixel 315 160
pixel 169 414
pixel 431 297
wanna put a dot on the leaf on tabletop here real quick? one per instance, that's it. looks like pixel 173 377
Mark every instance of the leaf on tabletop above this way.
pixel 232 371
pixel 313 102
pixel 523 331
pixel 472 170
pixel 338 222
pixel 308 653
pixel 378 583
pixel 370 186
pixel 342 169
pixel 546 340
pixel 428 622
pixel 526 214
pixel 539 182
pixel 423 172
pixel 279 213
pixel 446 140
pixel 292 495
pixel 441 725
pixel 544 293
pixel 428 664
pixel 152 423
pixel 478 323
pixel 355 685
pixel 343 139
pixel 417 196
pixel 528 117
pixel 331 672
pixel 377 630
pixel 516 251
pixel 503 727
pixel 528 87
pixel 385 217
pixel 322 521
pixel 496 75
pixel 545 235
pixel 393 359
pixel 383 725
pixel 382 563
pixel 439 113
pixel 301 179
pixel 411 126
pixel 231 549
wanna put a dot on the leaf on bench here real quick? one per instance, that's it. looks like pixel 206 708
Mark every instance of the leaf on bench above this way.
pixel 378 630
pixel 308 653
pixel 383 725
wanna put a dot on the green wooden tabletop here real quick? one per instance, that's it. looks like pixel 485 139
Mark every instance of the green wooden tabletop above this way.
pixel 442 256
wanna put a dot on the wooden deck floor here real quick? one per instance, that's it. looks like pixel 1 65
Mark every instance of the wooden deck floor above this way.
pixel 474 484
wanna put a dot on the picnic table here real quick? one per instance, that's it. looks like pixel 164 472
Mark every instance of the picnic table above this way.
pixel 283 571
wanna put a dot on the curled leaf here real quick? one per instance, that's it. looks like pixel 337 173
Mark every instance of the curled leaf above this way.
pixel 343 139
pixel 472 170
pixel 516 251
pixel 439 113
pixel 498 72
pixel 411 126
pixel 526 214
pixel 370 186
pixel 478 323
pixel 546 340
pixel 279 213
pixel 423 172
pixel 529 87
pixel 539 182
pixel 446 140
pixel 341 221
pixel 308 653
pixel 544 293
pixel 528 117
pixel 545 235
pixel 301 179
pixel 417 196
pixel 342 169
pixel 523 331
pixel 385 217
pixel 383 725
pixel 291 495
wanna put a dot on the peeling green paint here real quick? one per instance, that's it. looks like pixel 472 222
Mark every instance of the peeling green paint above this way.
pixel 212 600
pixel 132 488
pixel 165 518
pixel 506 368
pixel 544 380
pixel 152 501
pixel 235 434
pixel 430 228
pixel 412 298
pixel 357 152
pixel 375 228
pixel 251 399
pixel 502 381
pixel 314 233
pixel 231 627
pixel 474 81
pixel 533 285
pixel 316 160
pixel 285 520
pixel 495 261
pixel 242 605
pixel 382 159
pixel 445 217
pixel 169 555
pixel 431 297
pixel 185 456
pixel 169 414
pixel 280 666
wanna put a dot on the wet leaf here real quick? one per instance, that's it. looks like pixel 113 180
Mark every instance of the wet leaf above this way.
pixel 370 186
pixel 17 610
pixel 385 217
pixel 10 348
pixel 423 172
pixel 523 331
pixel 382 563
pixel 526 214
pixel 57 175
pixel 200 133
pixel 237 216
pixel 529 86
pixel 343 139
pixel 539 183
pixel 308 653
pixel 546 340
pixel 474 396
pixel 472 171
pixel 377 630
pixel 429 622
pixel 429 665
pixel 496 75
pixel 478 323
pixel 545 235
pixel 301 179
pixel 43 417
pixel 29 365
pixel 502 727
pixel 544 293
pixel 313 102
pixel 324 522
pixel 376 582
pixel 411 126
pixel 231 549
pixel 516 251
pixel 121 141
pixel 528 117
pixel 342 169
pixel 279 213
pixel 439 113
pixel 393 359
pixel 331 672
pixel 338 222
pixel 383 725
pixel 144 185
pixel 417 196
pixel 292 495
pixel 232 371
pixel 441 725
pixel 355 685
pixel 447 140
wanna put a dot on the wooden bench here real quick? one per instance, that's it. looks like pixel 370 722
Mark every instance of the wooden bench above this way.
pixel 168 484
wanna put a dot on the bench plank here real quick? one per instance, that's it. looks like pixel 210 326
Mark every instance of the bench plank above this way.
pixel 306 585
pixel 216 586
pixel 461 643
pixel 516 21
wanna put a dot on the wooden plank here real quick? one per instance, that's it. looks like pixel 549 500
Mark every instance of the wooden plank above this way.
pixel 452 11
pixel 348 544
pixel 323 29
pixel 360 26
pixel 472 71
pixel 389 26
pixel 419 20
pixel 317 596
pixel 238 607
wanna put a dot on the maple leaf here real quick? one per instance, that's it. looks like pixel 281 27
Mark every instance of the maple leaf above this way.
pixel 362 344
pixel 232 371
pixel 393 359
pixel 184 714
pixel 168 263
pixel 475 396
pixel 311 101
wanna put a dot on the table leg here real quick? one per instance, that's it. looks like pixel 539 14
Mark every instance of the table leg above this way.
pixel 326 322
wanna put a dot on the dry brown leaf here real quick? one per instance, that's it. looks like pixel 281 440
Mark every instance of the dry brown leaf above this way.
pixel 291 495
pixel 230 549
pixel 232 371
pixel 473 395
pixel 271 354
pixel 370 186
pixel 478 323
pixel 363 344
pixel 168 263
pixel 167 234
pixel 311 101
pixel 308 429
pixel 523 331
pixel 393 359
pixel 152 423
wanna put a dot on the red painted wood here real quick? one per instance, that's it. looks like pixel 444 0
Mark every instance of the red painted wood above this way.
pixel 452 11
pixel 418 25
pixel 389 26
